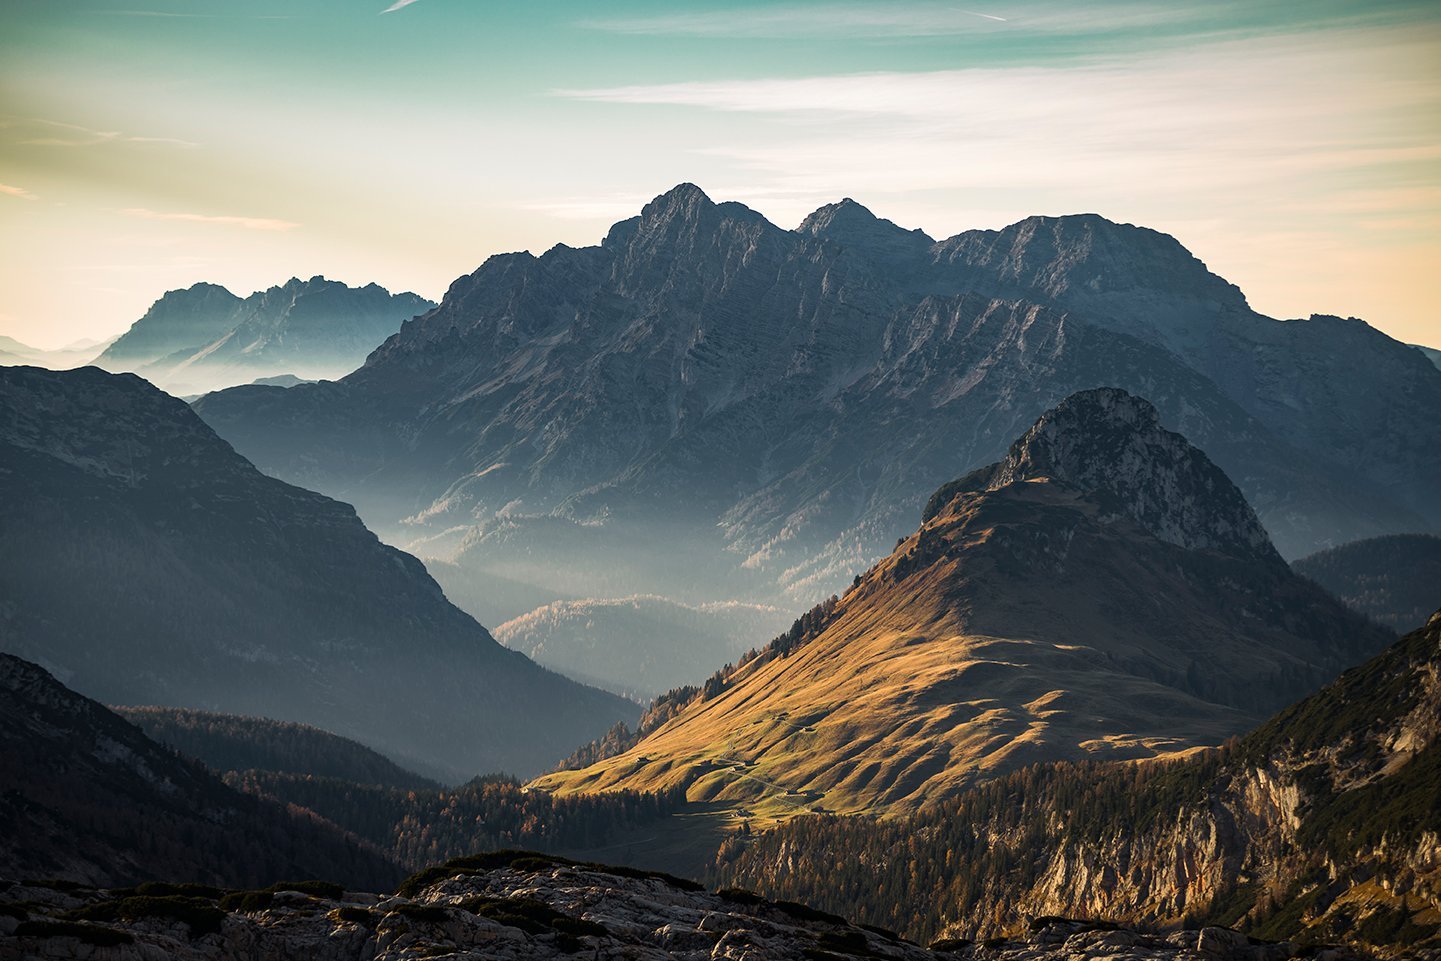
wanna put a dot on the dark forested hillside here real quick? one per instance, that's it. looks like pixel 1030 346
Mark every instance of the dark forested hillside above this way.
pixel 1394 580
pixel 231 742
pixel 144 562
pixel 86 797
pixel 1321 826
pixel 422 827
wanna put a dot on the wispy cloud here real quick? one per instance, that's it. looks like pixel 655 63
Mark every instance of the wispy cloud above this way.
pixel 1219 130
pixel 249 223
pixel 20 192
pixel 398 5
pixel 195 16
pixel 37 132
pixel 851 20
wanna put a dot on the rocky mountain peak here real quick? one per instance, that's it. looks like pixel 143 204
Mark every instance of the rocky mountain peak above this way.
pixel 1111 444
pixel 1087 255
pixel 853 225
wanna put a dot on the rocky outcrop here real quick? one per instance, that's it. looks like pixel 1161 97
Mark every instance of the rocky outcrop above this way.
pixel 532 909
pixel 1112 445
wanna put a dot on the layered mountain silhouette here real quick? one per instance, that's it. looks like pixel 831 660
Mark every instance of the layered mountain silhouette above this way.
pixel 74 354
pixel 1394 580
pixel 609 642
pixel 1103 591
pixel 1320 826
pixel 143 561
pixel 195 339
pixel 234 742
pixel 86 797
pixel 708 406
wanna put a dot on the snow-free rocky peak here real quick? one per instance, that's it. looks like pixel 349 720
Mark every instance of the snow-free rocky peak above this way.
pixel 1087 255
pixel 850 224
pixel 1111 444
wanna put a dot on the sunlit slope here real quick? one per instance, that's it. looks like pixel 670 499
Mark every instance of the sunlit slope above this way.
pixel 1030 618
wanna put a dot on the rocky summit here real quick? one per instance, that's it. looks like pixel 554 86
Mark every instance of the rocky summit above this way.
pixel 1112 445
pixel 528 908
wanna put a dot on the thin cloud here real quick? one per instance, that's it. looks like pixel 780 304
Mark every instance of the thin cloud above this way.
pixel 249 223
pixel 54 133
pixel 398 5
pixel 846 20
pixel 1238 125
pixel 20 192
pixel 194 16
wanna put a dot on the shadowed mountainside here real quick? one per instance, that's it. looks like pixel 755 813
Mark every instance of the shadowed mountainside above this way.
pixel 1394 580
pixel 144 562
pixel 86 797
pixel 232 742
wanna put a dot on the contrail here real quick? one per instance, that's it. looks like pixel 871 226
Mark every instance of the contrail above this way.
pixel 971 12
pixel 397 5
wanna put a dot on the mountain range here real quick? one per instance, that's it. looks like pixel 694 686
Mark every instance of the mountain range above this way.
pixel 613 642
pixel 144 562
pixel 710 407
pixel 75 354
pixel 203 337
pixel 1101 592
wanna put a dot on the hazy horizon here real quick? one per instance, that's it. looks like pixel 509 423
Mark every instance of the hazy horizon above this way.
pixel 147 147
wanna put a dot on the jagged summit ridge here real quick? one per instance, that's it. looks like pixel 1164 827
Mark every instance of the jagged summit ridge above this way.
pixel 1111 443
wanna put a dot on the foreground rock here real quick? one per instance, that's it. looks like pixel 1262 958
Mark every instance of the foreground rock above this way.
pixel 512 905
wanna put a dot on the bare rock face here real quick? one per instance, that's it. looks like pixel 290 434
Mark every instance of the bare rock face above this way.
pixel 1112 445
pixel 533 909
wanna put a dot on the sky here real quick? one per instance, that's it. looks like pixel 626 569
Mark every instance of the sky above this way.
pixel 148 145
